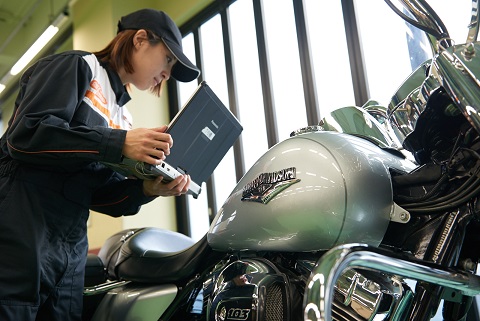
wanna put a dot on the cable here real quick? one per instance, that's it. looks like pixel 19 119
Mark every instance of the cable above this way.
pixel 443 33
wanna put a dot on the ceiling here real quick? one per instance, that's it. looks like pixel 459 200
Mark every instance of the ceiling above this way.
pixel 21 23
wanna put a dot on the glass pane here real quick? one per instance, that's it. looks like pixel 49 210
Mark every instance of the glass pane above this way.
pixel 198 208
pixel 198 214
pixel 249 88
pixel 388 42
pixel 385 47
pixel 456 17
pixel 285 66
pixel 215 75
pixel 329 55
pixel 185 90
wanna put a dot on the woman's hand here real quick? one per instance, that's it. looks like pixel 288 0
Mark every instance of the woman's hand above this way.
pixel 147 145
pixel 152 146
pixel 176 187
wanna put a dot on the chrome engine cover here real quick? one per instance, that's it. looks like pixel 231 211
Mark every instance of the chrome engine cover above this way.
pixel 249 289
pixel 255 289
pixel 363 295
pixel 310 192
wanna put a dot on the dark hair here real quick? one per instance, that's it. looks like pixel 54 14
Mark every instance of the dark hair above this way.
pixel 118 53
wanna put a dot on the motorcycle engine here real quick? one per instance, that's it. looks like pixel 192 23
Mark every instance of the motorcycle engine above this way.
pixel 250 289
pixel 255 289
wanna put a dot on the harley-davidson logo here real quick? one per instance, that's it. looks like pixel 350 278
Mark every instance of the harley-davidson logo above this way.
pixel 263 188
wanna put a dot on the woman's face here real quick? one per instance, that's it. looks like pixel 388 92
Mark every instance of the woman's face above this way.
pixel 151 63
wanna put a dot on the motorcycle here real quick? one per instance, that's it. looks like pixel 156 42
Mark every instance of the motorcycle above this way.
pixel 372 215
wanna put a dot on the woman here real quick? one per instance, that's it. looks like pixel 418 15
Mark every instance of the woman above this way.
pixel 69 118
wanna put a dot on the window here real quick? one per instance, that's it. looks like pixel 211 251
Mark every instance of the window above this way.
pixel 284 60
pixel 186 89
pixel 456 18
pixel 249 87
pixel 214 73
pixel 350 51
pixel 213 53
pixel 194 206
pixel 389 56
pixel 384 41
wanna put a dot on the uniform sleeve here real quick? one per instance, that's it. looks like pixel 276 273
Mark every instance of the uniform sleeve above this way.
pixel 120 197
pixel 40 131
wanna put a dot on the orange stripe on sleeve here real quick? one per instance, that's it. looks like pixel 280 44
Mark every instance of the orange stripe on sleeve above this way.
pixel 54 151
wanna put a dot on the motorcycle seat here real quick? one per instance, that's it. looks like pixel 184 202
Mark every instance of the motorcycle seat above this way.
pixel 152 255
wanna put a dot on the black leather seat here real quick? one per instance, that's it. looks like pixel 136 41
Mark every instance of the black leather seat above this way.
pixel 153 255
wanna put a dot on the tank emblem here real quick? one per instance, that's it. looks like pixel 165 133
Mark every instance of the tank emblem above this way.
pixel 263 188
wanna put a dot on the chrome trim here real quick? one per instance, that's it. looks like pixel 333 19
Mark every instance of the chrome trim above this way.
pixel 399 214
pixel 358 121
pixel 460 76
pixel 363 295
pixel 404 107
pixel 405 116
pixel 474 22
pixel 308 129
pixel 413 81
pixel 318 297
pixel 457 71
pixel 426 18
pixel 104 287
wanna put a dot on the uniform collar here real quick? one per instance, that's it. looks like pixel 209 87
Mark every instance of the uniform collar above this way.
pixel 119 89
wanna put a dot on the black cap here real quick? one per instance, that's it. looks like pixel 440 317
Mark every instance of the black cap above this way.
pixel 163 26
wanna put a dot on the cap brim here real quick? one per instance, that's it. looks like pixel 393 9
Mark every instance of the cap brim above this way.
pixel 184 70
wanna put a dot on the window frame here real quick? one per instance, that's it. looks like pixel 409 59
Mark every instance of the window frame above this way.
pixel 310 94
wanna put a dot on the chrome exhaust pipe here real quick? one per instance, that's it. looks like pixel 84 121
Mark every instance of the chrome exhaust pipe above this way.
pixel 318 298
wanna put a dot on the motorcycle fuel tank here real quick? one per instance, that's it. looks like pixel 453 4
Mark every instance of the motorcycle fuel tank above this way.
pixel 310 192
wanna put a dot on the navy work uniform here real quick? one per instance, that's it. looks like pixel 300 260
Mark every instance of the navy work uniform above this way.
pixel 68 119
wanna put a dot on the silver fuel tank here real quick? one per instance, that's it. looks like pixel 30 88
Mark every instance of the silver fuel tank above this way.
pixel 310 192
